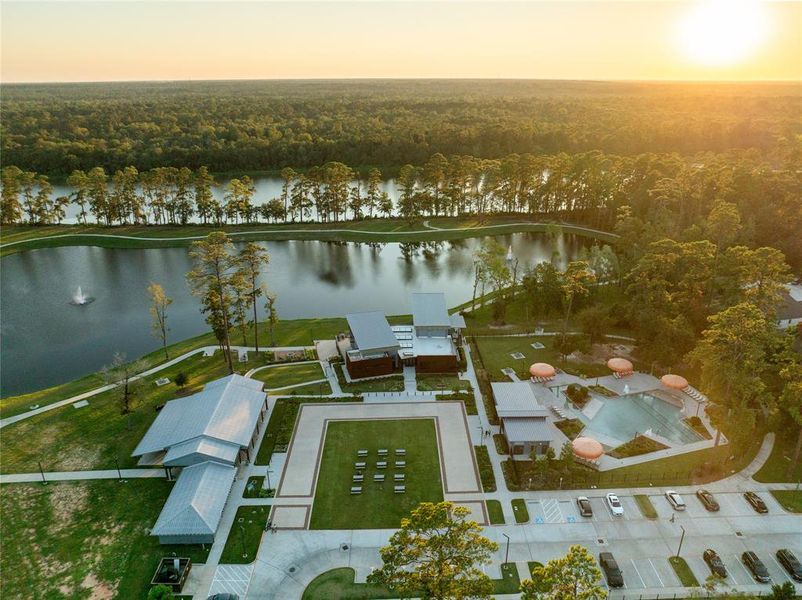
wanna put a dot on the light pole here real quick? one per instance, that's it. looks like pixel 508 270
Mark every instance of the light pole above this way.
pixel 267 472
pixel 682 537
pixel 482 434
pixel 242 541
pixel 507 553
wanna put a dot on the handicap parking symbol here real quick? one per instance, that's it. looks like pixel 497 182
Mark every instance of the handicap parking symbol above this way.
pixel 572 519
pixel 538 519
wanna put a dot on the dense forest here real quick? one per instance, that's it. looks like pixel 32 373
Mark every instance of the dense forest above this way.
pixel 268 125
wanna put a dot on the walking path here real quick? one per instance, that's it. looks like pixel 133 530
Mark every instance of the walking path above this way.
pixel 81 475
pixel 282 232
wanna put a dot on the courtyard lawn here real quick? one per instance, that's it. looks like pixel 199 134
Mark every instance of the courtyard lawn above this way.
pixel 791 500
pixel 495 355
pixel 494 512
pixel 282 423
pixel 391 383
pixel 313 389
pixel 378 506
pixel 291 374
pixel 467 398
pixel 438 382
pixel 776 469
pixel 92 437
pixel 82 539
pixel 246 533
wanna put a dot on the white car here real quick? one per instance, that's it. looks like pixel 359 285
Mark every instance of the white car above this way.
pixel 675 500
pixel 614 504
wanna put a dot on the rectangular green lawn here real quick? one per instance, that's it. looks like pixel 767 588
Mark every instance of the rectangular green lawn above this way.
pixel 378 506
pixel 284 375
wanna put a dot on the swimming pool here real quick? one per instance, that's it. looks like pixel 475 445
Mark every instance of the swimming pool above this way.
pixel 623 417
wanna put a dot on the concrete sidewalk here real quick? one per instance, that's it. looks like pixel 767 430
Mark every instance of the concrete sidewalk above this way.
pixel 82 475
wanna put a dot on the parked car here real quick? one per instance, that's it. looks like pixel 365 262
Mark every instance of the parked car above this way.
pixel 611 571
pixel 715 563
pixel 756 566
pixel 614 504
pixel 790 563
pixel 756 502
pixel 224 596
pixel 707 500
pixel 584 506
pixel 675 500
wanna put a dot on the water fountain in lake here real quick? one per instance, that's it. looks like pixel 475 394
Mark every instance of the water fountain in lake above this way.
pixel 81 299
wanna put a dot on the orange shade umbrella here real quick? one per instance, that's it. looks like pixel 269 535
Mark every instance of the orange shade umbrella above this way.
pixel 541 370
pixel 585 447
pixel 677 382
pixel 620 365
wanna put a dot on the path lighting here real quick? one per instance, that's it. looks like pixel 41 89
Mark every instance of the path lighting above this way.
pixel 507 553
pixel 42 471
pixel 482 434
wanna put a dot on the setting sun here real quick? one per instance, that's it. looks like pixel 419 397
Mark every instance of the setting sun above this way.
pixel 722 32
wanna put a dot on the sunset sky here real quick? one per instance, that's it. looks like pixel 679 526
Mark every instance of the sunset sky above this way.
pixel 151 40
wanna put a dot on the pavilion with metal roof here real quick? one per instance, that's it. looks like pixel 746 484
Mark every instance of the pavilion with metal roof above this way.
pixel 525 419
pixel 371 332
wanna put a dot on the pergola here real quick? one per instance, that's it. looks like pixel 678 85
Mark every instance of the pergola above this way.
pixel 587 448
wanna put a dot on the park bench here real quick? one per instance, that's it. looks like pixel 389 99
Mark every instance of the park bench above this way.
pixel 359 465
pixel 357 489
pixel 358 478
pixel 382 451
pixel 400 451
pixel 400 489
pixel 400 464
pixel 378 478
pixel 361 453
pixel 399 477
pixel 382 464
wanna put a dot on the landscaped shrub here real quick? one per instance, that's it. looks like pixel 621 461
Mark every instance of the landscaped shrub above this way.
pixel 696 424
pixel 181 380
pixel 485 469
pixel 636 446
pixel 570 427
pixel 502 447
pixel 578 395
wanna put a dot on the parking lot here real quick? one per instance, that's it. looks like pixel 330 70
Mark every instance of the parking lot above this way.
pixel 642 546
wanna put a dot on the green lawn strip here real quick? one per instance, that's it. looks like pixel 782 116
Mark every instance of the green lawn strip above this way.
pixel 378 506
pixel 496 353
pixel 645 505
pixel 509 583
pixel 776 469
pixel 790 500
pixel 495 512
pixel 58 539
pixel 636 446
pixel 291 374
pixel 500 441
pixel 92 437
pixel 339 583
pixel 246 532
pixel 485 469
pixel 467 398
pixel 257 488
pixel 282 423
pixel 313 389
pixel 441 382
pixel 520 510
pixel 683 571
pixel 391 383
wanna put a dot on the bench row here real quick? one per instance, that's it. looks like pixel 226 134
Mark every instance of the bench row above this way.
pixel 398 489
pixel 359 478
pixel 382 464
pixel 382 452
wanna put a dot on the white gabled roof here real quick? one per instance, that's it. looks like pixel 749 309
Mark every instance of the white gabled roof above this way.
pixel 225 452
pixel 517 399
pixel 371 331
pixel 528 429
pixel 196 503
pixel 429 310
pixel 226 409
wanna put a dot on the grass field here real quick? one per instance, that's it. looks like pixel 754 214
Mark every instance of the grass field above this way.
pixel 313 389
pixel 246 533
pixel 378 506
pixel 495 353
pixel 292 374
pixel 70 439
pixel 76 539
pixel 434 382
pixel 391 383
pixel 776 469
pixel 791 500
pixel 495 513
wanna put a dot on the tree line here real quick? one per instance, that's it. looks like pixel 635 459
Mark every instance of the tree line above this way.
pixel 264 125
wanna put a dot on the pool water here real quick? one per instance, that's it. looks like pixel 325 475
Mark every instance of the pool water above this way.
pixel 623 417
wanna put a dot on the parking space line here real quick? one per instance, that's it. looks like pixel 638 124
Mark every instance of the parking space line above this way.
pixel 783 572
pixel 749 578
pixel 656 573
pixel 642 583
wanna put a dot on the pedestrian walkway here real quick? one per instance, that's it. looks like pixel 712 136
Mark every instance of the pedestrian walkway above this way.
pixel 410 382
pixel 81 475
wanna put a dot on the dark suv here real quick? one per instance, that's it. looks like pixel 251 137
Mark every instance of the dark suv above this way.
pixel 756 502
pixel 707 500
pixel 715 563
pixel 790 563
pixel 756 566
pixel 611 571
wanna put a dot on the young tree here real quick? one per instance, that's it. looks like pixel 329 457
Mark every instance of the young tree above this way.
pixel 127 386
pixel 211 279
pixel 287 176
pixel 10 207
pixel 253 258
pixel 204 198
pixel 272 313
pixel 158 314
pixel 437 552
pixel 595 322
pixel 574 576
pixel 492 268
pixel 576 278
pixel 407 199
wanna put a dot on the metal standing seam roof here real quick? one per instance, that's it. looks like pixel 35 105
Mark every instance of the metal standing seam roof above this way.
pixel 196 502
pixel 457 321
pixel 226 409
pixel 371 331
pixel 429 310
pixel 216 449
pixel 528 429
pixel 517 399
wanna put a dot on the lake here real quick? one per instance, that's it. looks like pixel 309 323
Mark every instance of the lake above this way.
pixel 46 340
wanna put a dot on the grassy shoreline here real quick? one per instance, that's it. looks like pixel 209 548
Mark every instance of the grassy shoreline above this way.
pixel 19 238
